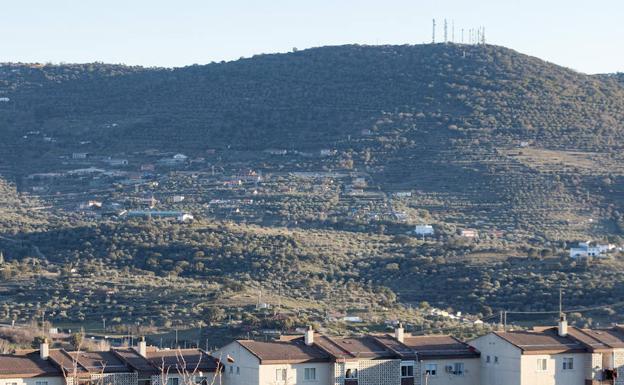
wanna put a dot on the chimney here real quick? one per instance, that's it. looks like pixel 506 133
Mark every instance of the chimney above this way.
pixel 563 326
pixel 399 333
pixel 44 349
pixel 309 336
pixel 142 348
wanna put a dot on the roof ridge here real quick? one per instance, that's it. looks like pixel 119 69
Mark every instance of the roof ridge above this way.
pixel 331 341
pixel 408 348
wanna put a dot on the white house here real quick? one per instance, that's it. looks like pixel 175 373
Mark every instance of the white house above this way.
pixel 423 230
pixel 589 249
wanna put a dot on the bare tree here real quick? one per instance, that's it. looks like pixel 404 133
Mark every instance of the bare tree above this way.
pixel 186 375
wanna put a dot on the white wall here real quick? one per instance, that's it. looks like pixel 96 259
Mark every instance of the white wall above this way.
pixel 295 374
pixel 507 370
pixel 471 374
pixel 33 381
pixel 554 375
pixel 252 373
pixel 247 364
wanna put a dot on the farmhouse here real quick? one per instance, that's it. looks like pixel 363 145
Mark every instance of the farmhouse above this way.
pixel 590 250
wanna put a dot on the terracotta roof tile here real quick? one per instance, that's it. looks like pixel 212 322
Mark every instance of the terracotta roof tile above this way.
pixel 440 347
pixel 543 341
pixel 293 351
pixel 28 365
pixel 172 359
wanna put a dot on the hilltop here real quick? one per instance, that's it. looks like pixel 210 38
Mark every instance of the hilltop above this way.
pixel 316 96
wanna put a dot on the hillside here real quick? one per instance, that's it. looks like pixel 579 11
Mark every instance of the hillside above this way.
pixel 306 173
pixel 315 96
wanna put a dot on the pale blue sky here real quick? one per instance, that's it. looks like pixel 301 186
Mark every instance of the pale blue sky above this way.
pixel 585 35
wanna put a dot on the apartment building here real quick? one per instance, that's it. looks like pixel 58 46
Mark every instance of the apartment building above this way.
pixel 559 355
pixel 363 360
pixel 134 366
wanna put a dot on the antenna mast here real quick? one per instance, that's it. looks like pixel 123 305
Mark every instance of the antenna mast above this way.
pixel 445 31
pixel 433 34
pixel 453 31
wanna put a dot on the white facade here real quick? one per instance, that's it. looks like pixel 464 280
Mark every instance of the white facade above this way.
pixel 33 381
pixel 500 361
pixel 243 368
pixel 504 364
pixel 585 250
pixel 423 230
pixel 464 371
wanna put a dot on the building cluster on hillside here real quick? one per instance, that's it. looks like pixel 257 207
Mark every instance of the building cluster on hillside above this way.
pixel 560 355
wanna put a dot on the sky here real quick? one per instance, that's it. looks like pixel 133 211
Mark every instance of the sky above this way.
pixel 587 36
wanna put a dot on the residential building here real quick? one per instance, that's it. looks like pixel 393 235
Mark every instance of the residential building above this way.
pixel 469 233
pixel 559 355
pixel 116 162
pixel 140 365
pixel 362 360
pixel 590 250
pixel 423 230
pixel 445 360
pixel 80 155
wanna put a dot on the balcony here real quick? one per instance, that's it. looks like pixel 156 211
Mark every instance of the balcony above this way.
pixel 350 381
pixel 407 381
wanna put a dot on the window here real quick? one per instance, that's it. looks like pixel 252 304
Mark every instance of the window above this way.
pixel 568 363
pixel 542 364
pixel 237 370
pixel 280 374
pixel 231 369
pixel 407 370
pixel 431 369
pixel 351 373
pixel 172 381
pixel 458 368
pixel 487 359
pixel 41 382
pixel 496 359
pixel 309 374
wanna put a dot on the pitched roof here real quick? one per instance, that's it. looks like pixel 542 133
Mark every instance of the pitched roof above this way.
pixel 182 359
pixel 400 349
pixel 599 339
pixel 545 341
pixel 135 360
pixel 349 348
pixel 28 365
pixel 292 351
pixel 429 347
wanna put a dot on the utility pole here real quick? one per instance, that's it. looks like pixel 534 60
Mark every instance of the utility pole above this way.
pixel 505 321
pixel 445 31
pixel 433 34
